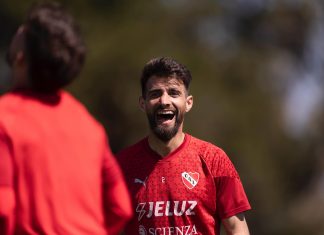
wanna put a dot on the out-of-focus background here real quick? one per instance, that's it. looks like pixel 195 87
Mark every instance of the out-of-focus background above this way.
pixel 258 83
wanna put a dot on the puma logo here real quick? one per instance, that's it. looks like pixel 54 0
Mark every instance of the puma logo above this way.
pixel 138 181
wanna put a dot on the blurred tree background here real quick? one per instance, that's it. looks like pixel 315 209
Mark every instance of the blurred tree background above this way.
pixel 257 69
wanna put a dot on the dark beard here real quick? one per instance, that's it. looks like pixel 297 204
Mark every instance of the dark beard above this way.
pixel 165 134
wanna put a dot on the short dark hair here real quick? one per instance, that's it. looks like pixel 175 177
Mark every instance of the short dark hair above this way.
pixel 54 47
pixel 165 67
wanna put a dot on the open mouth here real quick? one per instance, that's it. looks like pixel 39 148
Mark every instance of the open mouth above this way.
pixel 163 116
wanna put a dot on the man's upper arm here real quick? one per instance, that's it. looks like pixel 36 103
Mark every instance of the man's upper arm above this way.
pixel 236 225
pixel 230 198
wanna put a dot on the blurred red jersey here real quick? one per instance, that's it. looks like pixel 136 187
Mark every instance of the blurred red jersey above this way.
pixel 187 192
pixel 56 159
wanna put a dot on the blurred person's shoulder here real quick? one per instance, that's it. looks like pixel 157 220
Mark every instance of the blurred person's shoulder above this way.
pixel 9 99
pixel 73 107
pixel 10 102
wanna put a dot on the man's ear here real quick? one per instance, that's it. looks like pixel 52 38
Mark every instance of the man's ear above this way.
pixel 141 102
pixel 189 103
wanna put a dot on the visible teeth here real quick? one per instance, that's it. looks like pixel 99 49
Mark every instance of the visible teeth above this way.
pixel 165 112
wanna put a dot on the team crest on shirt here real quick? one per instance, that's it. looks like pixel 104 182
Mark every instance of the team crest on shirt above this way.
pixel 190 179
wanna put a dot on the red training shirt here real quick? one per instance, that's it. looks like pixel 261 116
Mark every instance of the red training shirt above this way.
pixel 187 192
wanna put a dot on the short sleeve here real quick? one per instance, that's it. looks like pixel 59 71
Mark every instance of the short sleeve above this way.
pixel 6 161
pixel 231 198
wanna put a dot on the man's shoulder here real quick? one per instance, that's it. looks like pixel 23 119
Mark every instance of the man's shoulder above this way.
pixel 215 158
pixel 204 147
pixel 210 153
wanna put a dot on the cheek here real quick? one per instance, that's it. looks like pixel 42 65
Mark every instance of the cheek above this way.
pixel 151 104
pixel 149 107
pixel 182 105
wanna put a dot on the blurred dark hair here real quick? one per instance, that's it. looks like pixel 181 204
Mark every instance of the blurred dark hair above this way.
pixel 165 67
pixel 54 47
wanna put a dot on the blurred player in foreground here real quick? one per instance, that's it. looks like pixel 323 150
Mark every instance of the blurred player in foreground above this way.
pixel 179 184
pixel 57 172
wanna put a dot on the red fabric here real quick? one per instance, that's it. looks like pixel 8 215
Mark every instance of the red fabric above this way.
pixel 7 204
pixel 60 166
pixel 6 165
pixel 187 192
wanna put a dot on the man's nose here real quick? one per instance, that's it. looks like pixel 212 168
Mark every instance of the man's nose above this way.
pixel 165 99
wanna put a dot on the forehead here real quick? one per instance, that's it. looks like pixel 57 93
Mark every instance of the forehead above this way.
pixel 156 82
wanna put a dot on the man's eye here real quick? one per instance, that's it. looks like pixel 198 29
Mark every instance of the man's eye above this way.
pixel 154 95
pixel 174 93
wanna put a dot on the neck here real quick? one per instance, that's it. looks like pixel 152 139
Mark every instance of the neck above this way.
pixel 20 77
pixel 164 148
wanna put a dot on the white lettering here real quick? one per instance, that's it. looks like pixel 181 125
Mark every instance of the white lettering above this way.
pixel 187 229
pixel 190 211
pixel 194 230
pixel 165 208
pixel 149 215
pixel 176 208
pixel 152 231
pixel 158 209
pixel 181 230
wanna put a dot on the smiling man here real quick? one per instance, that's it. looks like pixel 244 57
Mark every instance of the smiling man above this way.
pixel 179 184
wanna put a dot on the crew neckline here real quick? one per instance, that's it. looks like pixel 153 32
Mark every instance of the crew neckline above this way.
pixel 168 157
